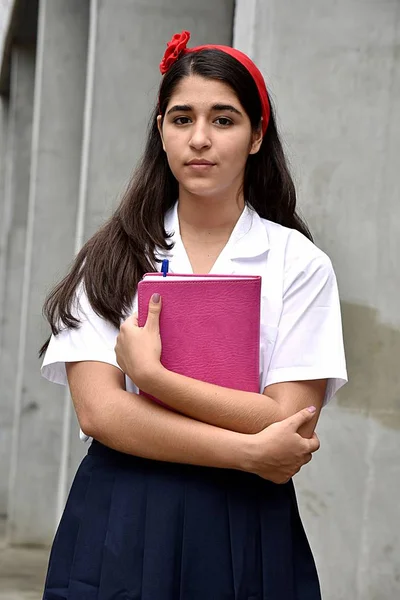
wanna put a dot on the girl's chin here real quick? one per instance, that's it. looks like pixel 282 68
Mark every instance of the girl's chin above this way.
pixel 197 189
pixel 201 193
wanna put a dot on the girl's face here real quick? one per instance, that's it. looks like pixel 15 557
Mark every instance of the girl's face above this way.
pixel 207 136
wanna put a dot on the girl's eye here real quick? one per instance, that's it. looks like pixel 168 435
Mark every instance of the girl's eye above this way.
pixel 181 120
pixel 224 121
pixel 221 121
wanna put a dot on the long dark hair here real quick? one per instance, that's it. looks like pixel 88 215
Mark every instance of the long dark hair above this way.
pixel 115 258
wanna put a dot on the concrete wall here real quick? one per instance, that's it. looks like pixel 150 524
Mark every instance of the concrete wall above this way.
pixel 334 72
pixel 4 112
pixel 5 12
pixel 4 449
pixel 14 236
pixel 54 184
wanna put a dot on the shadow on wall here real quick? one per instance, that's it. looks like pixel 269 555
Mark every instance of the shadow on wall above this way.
pixel 373 360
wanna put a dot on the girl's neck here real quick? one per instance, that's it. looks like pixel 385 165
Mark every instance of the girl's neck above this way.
pixel 208 219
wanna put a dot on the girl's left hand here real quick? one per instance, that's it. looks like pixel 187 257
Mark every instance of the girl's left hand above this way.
pixel 138 349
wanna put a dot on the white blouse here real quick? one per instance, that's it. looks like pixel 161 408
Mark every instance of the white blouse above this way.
pixel 301 329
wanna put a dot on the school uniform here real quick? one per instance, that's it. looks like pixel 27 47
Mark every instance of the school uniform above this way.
pixel 134 528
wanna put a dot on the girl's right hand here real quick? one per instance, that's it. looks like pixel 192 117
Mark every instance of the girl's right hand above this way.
pixel 279 451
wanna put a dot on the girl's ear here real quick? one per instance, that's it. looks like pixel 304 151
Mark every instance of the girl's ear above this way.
pixel 256 140
pixel 159 125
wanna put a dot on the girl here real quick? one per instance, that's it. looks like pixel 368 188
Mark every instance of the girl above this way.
pixel 196 502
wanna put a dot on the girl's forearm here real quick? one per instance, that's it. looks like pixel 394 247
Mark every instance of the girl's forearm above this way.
pixel 134 425
pixel 243 412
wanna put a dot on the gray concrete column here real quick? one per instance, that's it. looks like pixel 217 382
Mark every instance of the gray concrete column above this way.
pixel 334 72
pixel 19 153
pixel 128 40
pixel 4 112
pixel 53 198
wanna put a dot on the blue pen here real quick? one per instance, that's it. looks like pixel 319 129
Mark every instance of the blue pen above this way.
pixel 165 267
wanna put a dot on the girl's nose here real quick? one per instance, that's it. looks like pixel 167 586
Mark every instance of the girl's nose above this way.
pixel 200 136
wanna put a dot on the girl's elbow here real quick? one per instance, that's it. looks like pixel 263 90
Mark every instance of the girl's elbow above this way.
pixel 88 419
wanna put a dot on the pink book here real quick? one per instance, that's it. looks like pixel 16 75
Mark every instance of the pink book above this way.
pixel 209 324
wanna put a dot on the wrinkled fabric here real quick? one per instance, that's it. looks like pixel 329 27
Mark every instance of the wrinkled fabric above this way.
pixel 136 529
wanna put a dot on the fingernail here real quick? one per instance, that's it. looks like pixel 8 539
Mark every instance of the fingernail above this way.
pixel 156 298
pixel 311 409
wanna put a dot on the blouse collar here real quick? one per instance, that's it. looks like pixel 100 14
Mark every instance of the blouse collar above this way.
pixel 248 239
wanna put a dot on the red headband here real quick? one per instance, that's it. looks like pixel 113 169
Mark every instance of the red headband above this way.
pixel 177 47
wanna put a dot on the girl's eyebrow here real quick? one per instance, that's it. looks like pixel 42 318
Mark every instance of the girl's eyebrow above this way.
pixel 215 108
pixel 180 108
pixel 225 107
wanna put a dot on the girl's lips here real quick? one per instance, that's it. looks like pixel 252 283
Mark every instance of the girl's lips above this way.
pixel 200 166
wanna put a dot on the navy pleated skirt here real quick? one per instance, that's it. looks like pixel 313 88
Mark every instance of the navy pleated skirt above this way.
pixel 137 529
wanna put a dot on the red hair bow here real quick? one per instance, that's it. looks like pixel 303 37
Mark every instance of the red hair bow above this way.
pixel 174 49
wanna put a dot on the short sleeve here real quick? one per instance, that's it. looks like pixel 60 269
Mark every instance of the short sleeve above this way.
pixel 309 342
pixel 94 339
